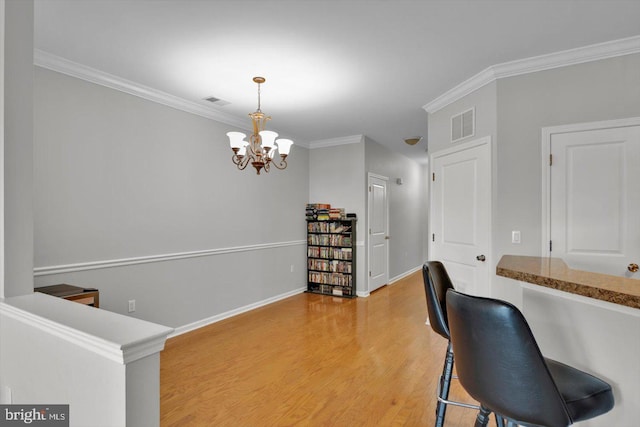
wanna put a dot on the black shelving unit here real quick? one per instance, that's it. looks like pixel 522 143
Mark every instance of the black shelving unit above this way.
pixel 331 257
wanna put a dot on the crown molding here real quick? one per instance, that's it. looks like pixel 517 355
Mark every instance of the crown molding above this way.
pixel 481 79
pixel 331 142
pixel 534 64
pixel 301 143
pixel 61 65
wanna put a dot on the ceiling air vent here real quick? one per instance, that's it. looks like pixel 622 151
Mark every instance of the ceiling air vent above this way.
pixel 463 125
pixel 217 101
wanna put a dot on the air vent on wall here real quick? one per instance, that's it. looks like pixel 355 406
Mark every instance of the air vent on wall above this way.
pixel 217 101
pixel 463 125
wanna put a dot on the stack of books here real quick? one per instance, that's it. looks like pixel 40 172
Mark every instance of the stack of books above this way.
pixel 317 211
pixel 336 213
pixel 324 212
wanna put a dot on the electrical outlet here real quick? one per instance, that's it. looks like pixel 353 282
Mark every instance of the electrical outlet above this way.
pixel 5 395
pixel 292 268
pixel 132 305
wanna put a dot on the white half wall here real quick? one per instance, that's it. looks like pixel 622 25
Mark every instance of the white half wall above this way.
pixel 105 366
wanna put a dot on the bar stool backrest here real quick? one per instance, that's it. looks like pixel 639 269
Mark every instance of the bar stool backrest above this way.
pixel 499 363
pixel 436 284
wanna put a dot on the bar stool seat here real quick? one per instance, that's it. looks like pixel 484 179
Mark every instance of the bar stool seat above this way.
pixel 583 393
pixel 500 365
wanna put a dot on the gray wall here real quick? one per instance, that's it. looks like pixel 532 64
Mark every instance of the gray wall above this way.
pixel 408 225
pixel 18 148
pixel 484 100
pixel 600 90
pixel 118 177
pixel 337 176
pixel 513 111
pixel 594 91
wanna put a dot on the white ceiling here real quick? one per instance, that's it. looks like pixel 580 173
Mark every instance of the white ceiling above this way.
pixel 333 68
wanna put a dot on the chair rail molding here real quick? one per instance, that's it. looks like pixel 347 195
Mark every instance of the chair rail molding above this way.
pixel 95 265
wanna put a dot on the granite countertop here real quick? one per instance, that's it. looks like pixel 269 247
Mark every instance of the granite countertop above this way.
pixel 554 273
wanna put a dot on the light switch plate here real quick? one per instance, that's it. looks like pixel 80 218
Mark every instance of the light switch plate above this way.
pixel 515 237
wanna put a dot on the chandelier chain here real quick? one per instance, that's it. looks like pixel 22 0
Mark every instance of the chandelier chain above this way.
pixel 259 98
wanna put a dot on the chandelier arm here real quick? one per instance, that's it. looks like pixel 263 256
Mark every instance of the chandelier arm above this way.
pixel 282 165
pixel 241 163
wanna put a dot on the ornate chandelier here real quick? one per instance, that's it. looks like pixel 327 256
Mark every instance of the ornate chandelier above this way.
pixel 262 145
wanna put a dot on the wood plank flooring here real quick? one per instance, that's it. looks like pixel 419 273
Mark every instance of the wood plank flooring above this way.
pixel 312 360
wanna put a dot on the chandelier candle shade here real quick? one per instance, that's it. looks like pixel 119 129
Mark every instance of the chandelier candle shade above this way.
pixel 262 145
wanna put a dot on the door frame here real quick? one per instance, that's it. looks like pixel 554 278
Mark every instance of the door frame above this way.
pixel 482 141
pixel 368 238
pixel 547 134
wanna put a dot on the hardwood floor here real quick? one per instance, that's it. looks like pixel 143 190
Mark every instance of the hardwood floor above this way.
pixel 312 360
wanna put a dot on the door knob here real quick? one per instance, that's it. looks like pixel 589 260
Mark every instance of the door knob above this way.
pixel 481 258
pixel 387 237
pixel 633 267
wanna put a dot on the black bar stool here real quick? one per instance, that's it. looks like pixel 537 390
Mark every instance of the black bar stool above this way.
pixel 500 365
pixel 436 283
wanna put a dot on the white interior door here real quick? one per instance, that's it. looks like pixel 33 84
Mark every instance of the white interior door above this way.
pixel 460 214
pixel 595 199
pixel 378 232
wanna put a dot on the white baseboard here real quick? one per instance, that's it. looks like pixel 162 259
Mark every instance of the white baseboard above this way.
pixel 405 274
pixel 227 314
pixel 365 294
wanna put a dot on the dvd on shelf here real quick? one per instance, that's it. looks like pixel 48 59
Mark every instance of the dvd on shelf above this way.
pixel 331 251
pixel 335 240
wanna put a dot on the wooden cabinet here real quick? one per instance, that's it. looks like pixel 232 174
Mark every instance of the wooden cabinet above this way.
pixel 331 257
pixel 87 296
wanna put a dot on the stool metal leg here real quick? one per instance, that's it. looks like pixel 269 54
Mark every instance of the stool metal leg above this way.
pixel 505 422
pixel 445 383
pixel 483 417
